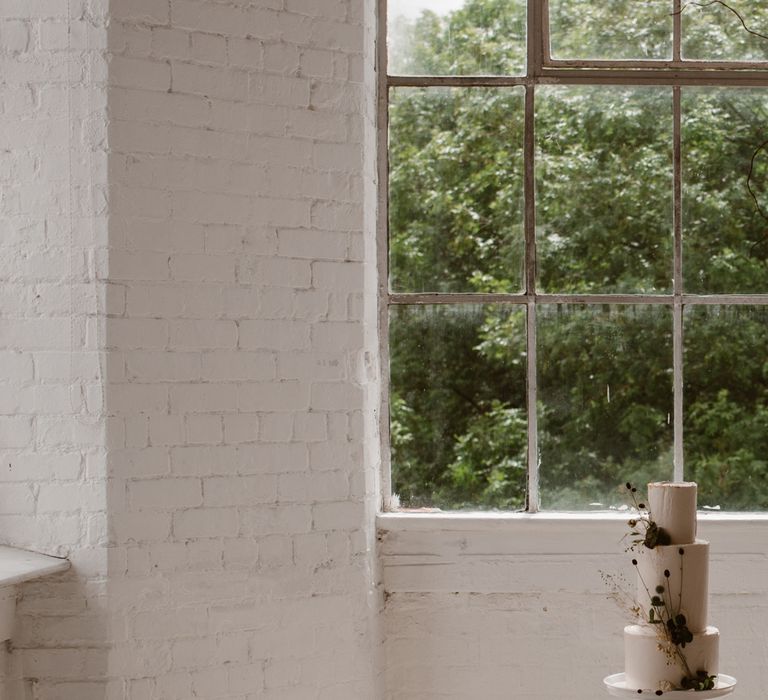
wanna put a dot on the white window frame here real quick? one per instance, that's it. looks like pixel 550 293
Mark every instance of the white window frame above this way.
pixel 542 68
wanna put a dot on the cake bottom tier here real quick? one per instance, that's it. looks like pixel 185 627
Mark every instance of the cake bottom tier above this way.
pixel 651 664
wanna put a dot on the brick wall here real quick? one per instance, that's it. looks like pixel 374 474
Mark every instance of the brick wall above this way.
pixel 189 352
pixel 53 428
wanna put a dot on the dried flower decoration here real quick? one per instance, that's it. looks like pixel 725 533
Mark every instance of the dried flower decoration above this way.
pixel 664 614
pixel 644 531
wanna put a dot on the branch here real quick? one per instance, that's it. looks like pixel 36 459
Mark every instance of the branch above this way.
pixel 468 399
pixel 752 194
pixel 749 179
pixel 727 7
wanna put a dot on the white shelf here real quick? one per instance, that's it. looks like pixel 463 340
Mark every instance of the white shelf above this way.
pixel 18 566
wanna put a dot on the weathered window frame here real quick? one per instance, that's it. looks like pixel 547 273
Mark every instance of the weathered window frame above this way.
pixel 543 69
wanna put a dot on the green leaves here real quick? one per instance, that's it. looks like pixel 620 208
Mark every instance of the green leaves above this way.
pixel 701 681
pixel 604 199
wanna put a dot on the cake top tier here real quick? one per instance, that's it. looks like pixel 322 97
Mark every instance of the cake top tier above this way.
pixel 673 508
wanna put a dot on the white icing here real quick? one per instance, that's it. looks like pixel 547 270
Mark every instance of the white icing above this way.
pixel 647 666
pixel 673 508
pixel 685 591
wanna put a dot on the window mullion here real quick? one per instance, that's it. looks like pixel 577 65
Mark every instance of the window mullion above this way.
pixel 382 249
pixel 532 497
pixel 538 36
pixel 529 151
pixel 677 309
pixel 677 38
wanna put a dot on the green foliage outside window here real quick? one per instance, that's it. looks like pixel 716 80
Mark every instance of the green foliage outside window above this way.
pixel 604 225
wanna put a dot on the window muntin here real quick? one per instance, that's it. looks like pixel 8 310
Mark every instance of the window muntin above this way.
pixel 656 294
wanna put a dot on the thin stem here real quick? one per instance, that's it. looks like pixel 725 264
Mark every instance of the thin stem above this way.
pixel 753 194
pixel 648 592
pixel 680 594
pixel 749 179
pixel 681 656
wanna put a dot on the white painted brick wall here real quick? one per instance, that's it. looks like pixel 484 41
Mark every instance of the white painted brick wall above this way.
pixel 176 259
pixel 223 207
pixel 496 608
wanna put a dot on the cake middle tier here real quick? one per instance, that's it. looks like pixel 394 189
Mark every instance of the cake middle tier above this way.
pixel 682 571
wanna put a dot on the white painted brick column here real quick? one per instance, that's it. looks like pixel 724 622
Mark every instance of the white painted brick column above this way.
pixel 241 499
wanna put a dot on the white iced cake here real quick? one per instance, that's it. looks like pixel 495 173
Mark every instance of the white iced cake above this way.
pixel 672 641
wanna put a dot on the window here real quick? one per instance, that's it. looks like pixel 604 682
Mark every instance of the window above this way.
pixel 575 250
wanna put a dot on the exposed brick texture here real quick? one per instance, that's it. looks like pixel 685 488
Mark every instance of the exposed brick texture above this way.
pixel 181 336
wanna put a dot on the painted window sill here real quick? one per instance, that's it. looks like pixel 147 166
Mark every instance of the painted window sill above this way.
pixel 18 566
pixel 464 551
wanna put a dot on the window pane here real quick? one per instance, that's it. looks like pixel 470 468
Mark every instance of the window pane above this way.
pixel 457 402
pixel 726 405
pixel 456 37
pixel 456 189
pixel 714 32
pixel 605 401
pixel 611 29
pixel 604 189
pixel 725 244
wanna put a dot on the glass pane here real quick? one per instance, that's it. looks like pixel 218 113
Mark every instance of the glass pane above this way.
pixel 714 31
pixel 611 29
pixel 725 239
pixel 604 189
pixel 457 402
pixel 605 401
pixel 456 189
pixel 726 405
pixel 456 37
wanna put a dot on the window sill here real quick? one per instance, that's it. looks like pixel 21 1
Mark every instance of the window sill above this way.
pixel 405 520
pixel 500 552
pixel 18 566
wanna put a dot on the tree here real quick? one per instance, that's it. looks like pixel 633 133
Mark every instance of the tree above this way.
pixel 604 224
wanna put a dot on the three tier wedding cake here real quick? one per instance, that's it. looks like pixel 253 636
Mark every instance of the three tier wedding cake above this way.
pixel 672 647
